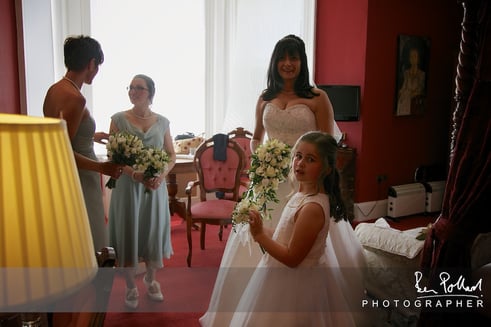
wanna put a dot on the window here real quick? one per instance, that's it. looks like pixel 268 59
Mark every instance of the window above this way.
pixel 251 30
pixel 164 42
pixel 209 58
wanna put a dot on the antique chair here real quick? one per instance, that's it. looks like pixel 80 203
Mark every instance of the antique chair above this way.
pixel 215 174
pixel 243 137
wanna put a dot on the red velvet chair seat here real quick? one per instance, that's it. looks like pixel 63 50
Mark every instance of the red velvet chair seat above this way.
pixel 221 209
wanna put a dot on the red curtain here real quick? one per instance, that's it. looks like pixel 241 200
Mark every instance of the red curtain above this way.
pixel 466 210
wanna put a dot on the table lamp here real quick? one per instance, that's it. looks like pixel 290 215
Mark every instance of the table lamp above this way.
pixel 46 249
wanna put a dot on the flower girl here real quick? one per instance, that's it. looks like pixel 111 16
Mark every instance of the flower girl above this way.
pixel 299 282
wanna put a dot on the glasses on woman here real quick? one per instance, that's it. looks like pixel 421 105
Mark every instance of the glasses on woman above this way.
pixel 136 88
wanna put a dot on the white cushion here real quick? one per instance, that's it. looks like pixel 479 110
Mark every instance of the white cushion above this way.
pixel 380 235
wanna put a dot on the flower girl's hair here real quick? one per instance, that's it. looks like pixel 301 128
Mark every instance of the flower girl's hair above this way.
pixel 327 146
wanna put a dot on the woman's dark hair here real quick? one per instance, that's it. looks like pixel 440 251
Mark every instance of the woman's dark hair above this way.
pixel 290 45
pixel 327 146
pixel 150 85
pixel 80 50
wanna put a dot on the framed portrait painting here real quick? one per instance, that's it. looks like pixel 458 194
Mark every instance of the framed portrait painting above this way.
pixel 412 74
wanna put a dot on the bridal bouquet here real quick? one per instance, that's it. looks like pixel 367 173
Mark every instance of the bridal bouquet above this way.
pixel 241 211
pixel 152 162
pixel 270 164
pixel 123 148
pixel 269 167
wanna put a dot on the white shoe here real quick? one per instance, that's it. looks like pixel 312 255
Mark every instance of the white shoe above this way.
pixel 153 290
pixel 131 298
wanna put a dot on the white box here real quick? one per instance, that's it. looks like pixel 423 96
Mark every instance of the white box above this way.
pixel 406 199
pixel 434 195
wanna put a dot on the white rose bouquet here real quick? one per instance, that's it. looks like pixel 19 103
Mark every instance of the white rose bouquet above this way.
pixel 123 148
pixel 270 164
pixel 241 211
pixel 152 162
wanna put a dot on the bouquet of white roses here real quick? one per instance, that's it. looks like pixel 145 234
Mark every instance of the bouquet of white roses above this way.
pixel 240 214
pixel 122 148
pixel 270 164
pixel 152 162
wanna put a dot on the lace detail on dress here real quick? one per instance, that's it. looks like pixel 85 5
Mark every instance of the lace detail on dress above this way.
pixel 288 124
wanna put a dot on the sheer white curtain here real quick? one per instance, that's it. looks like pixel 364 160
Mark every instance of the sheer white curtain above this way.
pixel 162 39
pixel 241 35
pixel 209 58
pixel 208 79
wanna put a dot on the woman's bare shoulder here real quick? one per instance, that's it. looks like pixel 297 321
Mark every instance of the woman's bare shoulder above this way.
pixel 319 102
pixel 319 91
pixel 61 97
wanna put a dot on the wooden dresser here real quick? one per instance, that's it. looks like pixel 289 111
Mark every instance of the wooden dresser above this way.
pixel 345 163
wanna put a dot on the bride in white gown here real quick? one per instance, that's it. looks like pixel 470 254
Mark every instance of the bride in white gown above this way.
pixel 288 108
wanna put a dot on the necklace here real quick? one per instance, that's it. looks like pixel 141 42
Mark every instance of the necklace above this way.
pixel 72 82
pixel 142 117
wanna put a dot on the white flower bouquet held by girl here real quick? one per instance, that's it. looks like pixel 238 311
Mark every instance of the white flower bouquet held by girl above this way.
pixel 241 211
pixel 270 164
pixel 152 162
pixel 123 148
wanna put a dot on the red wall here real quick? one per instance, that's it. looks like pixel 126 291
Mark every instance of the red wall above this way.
pixel 340 51
pixel 9 80
pixel 357 44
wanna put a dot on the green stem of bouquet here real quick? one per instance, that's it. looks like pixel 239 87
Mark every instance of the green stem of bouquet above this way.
pixel 263 215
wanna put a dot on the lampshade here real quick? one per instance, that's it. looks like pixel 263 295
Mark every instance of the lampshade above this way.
pixel 46 249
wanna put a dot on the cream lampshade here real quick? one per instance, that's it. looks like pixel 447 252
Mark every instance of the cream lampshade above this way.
pixel 46 249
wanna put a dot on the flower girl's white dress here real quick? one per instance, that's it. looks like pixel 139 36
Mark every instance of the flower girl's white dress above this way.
pixel 240 258
pixel 307 295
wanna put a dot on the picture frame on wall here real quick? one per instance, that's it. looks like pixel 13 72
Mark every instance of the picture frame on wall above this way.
pixel 412 74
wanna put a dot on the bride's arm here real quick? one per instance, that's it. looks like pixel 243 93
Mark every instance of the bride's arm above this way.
pixel 324 113
pixel 258 134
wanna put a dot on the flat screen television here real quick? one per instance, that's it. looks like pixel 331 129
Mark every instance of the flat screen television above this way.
pixel 345 100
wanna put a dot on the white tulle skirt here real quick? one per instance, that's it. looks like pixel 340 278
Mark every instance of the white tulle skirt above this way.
pixel 240 258
pixel 343 270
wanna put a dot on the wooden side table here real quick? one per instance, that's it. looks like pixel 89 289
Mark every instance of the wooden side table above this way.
pixel 345 163
pixel 182 166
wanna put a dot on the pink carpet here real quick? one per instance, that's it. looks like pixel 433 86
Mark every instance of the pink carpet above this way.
pixel 186 290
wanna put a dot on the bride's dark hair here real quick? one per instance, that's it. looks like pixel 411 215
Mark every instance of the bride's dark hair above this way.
pixel 290 45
